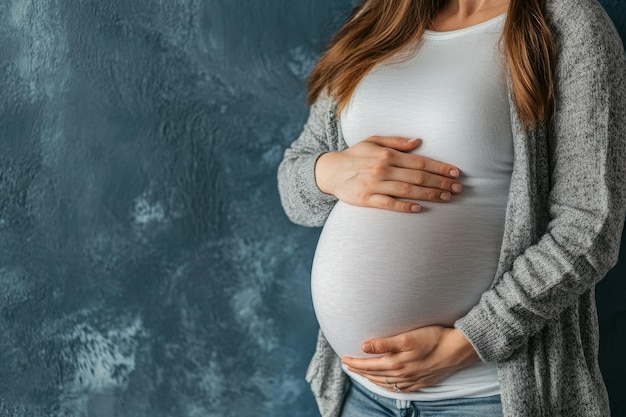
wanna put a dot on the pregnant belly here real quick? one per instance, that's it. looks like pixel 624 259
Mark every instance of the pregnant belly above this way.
pixel 378 273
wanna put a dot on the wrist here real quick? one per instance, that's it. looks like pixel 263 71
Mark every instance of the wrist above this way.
pixel 323 172
pixel 464 351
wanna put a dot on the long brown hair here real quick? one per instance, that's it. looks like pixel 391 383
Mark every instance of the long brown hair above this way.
pixel 378 29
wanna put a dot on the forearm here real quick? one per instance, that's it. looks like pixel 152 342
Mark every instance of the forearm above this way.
pixel 303 201
pixel 587 201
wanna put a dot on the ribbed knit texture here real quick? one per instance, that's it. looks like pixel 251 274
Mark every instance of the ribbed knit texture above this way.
pixel 564 220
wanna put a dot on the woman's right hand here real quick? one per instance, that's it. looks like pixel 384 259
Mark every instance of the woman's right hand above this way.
pixel 380 172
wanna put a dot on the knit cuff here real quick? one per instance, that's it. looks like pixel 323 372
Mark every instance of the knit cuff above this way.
pixel 484 334
pixel 319 202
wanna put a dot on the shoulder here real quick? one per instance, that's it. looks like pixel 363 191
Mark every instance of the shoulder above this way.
pixel 319 113
pixel 587 16
pixel 583 30
pixel 324 104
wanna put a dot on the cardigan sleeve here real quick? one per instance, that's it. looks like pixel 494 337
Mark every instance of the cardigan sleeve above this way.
pixel 587 197
pixel 303 201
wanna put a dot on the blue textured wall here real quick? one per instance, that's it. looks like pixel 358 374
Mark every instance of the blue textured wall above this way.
pixel 146 268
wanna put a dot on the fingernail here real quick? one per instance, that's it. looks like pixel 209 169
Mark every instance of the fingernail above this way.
pixel 415 208
pixel 367 347
pixel 457 188
pixel 412 141
pixel 445 196
pixel 454 172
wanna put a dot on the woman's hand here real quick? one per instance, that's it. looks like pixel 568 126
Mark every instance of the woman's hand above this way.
pixel 379 172
pixel 415 359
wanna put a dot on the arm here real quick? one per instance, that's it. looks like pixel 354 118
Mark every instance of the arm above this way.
pixel 376 172
pixel 587 204
pixel 587 198
pixel 303 201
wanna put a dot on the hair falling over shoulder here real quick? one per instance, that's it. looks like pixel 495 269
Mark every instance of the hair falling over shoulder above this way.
pixel 378 29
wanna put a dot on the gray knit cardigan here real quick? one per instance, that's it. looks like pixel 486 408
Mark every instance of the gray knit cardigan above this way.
pixel 564 219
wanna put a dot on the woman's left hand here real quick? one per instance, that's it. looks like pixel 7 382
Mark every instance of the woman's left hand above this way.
pixel 415 359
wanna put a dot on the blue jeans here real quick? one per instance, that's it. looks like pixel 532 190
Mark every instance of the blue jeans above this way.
pixel 360 402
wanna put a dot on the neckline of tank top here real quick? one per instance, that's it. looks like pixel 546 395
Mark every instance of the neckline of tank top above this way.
pixel 449 34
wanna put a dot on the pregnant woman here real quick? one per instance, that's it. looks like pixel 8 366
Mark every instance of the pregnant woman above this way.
pixel 482 304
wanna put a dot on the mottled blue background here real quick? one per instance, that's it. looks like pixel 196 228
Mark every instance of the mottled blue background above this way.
pixel 146 267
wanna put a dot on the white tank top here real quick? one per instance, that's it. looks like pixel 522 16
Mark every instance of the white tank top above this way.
pixel 378 273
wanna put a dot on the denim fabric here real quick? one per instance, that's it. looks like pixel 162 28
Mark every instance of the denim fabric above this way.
pixel 360 402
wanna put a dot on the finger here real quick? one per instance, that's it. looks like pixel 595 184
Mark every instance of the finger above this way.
pixel 408 386
pixel 412 387
pixel 395 142
pixel 391 365
pixel 380 366
pixel 390 380
pixel 390 387
pixel 369 373
pixel 405 190
pixel 399 344
pixel 389 203
pixel 423 179
pixel 422 163
pixel 404 386
pixel 399 374
pixel 393 344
